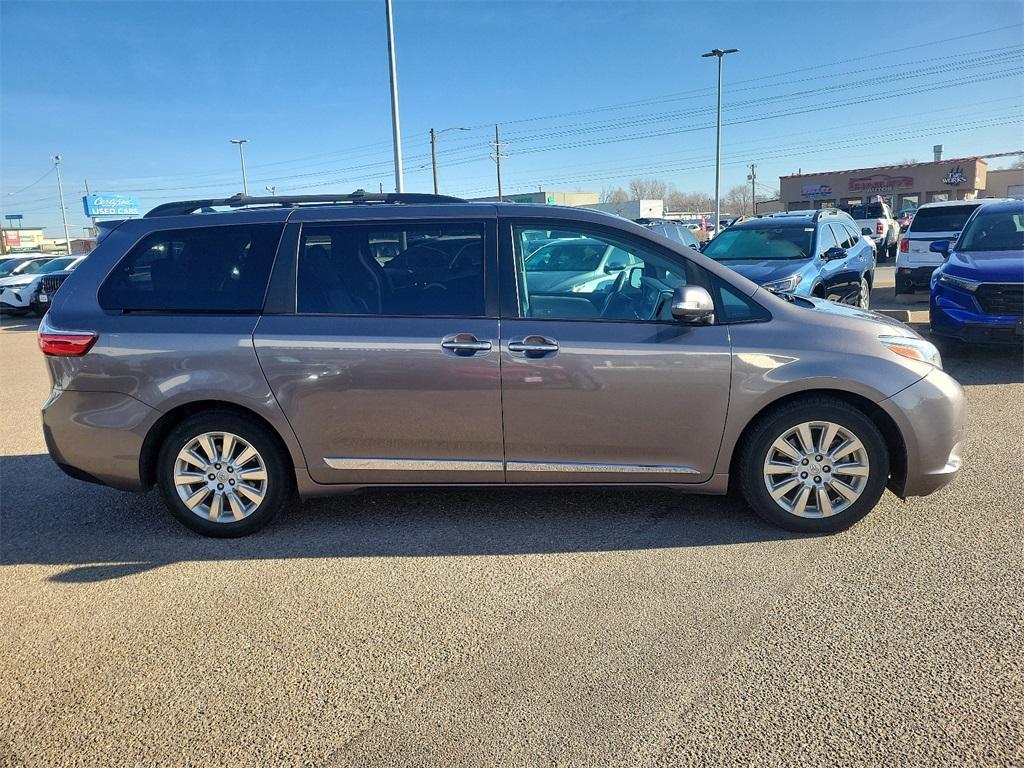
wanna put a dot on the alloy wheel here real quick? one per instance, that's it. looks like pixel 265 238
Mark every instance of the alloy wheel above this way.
pixel 864 299
pixel 220 477
pixel 816 469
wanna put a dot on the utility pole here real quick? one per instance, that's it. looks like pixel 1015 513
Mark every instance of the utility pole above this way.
pixel 433 156
pixel 63 210
pixel 753 189
pixel 241 156
pixel 92 230
pixel 497 158
pixel 396 130
pixel 719 54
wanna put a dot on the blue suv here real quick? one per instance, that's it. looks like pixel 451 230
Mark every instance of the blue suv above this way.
pixel 978 292
pixel 808 253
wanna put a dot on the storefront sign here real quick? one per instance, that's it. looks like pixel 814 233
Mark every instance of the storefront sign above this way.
pixel 13 216
pixel 881 181
pixel 97 206
pixel 815 190
pixel 955 177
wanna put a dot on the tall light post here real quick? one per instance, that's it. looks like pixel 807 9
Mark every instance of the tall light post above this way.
pixel 433 149
pixel 241 156
pixel 719 54
pixel 63 210
pixel 396 129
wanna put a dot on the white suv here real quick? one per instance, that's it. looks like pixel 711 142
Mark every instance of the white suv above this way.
pixel 915 262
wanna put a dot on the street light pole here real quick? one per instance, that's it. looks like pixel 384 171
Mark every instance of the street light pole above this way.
pixel 241 156
pixel 63 210
pixel 433 149
pixel 396 129
pixel 719 54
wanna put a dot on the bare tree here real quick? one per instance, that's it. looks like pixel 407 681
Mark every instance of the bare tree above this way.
pixel 1018 163
pixel 737 199
pixel 648 189
pixel 689 201
pixel 617 195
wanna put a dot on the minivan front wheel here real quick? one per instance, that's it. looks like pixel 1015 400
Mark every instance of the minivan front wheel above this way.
pixel 222 474
pixel 814 466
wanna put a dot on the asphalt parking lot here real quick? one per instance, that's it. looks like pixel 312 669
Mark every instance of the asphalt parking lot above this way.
pixel 531 627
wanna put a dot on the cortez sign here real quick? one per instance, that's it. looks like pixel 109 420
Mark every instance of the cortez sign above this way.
pixel 98 206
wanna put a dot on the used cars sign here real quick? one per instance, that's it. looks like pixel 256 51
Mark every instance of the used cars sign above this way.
pixel 97 206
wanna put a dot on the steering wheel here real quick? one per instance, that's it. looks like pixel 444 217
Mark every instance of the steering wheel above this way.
pixel 615 290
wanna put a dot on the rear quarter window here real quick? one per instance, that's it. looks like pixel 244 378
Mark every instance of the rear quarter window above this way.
pixel 945 218
pixel 198 269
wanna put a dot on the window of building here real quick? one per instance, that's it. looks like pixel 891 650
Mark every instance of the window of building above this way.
pixel 432 270
pixel 198 269
pixel 908 201
pixel 938 197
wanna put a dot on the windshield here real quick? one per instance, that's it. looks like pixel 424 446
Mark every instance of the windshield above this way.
pixel 8 266
pixel 762 243
pixel 55 265
pixel 946 218
pixel 32 267
pixel 869 211
pixel 1000 230
pixel 561 256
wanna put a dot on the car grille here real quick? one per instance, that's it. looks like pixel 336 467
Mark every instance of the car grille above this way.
pixel 1001 298
pixel 51 283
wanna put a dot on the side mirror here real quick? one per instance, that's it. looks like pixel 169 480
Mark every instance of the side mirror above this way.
pixel 693 304
pixel 834 253
pixel 940 246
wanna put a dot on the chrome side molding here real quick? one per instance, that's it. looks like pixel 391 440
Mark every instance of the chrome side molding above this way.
pixel 413 465
pixel 543 466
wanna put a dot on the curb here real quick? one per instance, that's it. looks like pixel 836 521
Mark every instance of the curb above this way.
pixel 906 315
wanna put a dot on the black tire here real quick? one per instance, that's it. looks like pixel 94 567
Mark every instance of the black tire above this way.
pixel 774 424
pixel 278 485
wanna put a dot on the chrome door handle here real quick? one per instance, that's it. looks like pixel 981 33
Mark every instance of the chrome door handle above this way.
pixel 534 346
pixel 464 344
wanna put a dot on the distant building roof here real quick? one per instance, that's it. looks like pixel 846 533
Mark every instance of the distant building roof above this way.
pixel 982 158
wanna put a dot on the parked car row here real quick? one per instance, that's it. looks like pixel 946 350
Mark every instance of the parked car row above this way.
pixel 28 281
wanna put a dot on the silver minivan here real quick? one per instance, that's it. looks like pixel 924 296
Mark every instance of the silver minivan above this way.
pixel 240 357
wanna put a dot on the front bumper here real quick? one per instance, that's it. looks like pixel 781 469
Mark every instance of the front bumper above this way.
pixel 913 279
pixel 930 416
pixel 948 317
pixel 97 436
pixel 15 298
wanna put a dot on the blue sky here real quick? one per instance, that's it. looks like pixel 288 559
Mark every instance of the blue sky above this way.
pixel 143 97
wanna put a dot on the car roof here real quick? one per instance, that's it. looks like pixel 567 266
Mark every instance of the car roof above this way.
pixel 951 203
pixel 1006 204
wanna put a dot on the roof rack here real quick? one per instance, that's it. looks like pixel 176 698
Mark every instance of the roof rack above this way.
pixel 185 207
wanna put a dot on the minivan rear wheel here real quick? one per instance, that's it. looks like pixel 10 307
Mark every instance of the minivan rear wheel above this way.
pixel 815 466
pixel 222 474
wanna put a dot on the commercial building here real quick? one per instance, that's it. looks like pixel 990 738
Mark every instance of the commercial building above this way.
pixel 545 197
pixel 21 239
pixel 633 209
pixel 907 185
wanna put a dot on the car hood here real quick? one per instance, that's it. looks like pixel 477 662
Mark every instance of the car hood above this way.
pixel 766 270
pixel 987 266
pixel 845 311
pixel 16 280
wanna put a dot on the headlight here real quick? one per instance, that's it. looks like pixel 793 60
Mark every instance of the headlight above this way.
pixel 959 282
pixel 783 286
pixel 913 348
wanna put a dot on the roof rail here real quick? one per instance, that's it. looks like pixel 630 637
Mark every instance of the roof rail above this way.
pixel 185 207
pixel 825 211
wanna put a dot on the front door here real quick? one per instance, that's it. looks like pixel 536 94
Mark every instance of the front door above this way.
pixel 599 383
pixel 387 365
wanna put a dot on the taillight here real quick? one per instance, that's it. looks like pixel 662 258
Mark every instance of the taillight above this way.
pixel 60 343
pixel 879 228
pixel 904 245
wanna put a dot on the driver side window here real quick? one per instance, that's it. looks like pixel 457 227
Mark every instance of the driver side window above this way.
pixel 585 274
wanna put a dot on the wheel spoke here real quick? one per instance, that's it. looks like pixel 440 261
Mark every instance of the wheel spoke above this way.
pixel 827 436
pixel 189 478
pixel 227 447
pixel 209 448
pixel 245 456
pixel 824 503
pixel 858 470
pixel 779 468
pixel 191 457
pixel 253 474
pixel 785 447
pixel 806 438
pixel 236 506
pixel 196 498
pixel 249 492
pixel 784 487
pixel 851 445
pixel 850 494
pixel 215 506
pixel 800 505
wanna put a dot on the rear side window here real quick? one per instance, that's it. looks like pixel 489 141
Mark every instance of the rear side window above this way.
pixel 199 269
pixel 945 218
pixel 430 270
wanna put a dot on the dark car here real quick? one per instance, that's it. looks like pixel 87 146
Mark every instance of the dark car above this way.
pixel 807 253
pixel 978 292
pixel 237 357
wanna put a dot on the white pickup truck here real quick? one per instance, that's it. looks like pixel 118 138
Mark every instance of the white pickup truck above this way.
pixel 877 222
